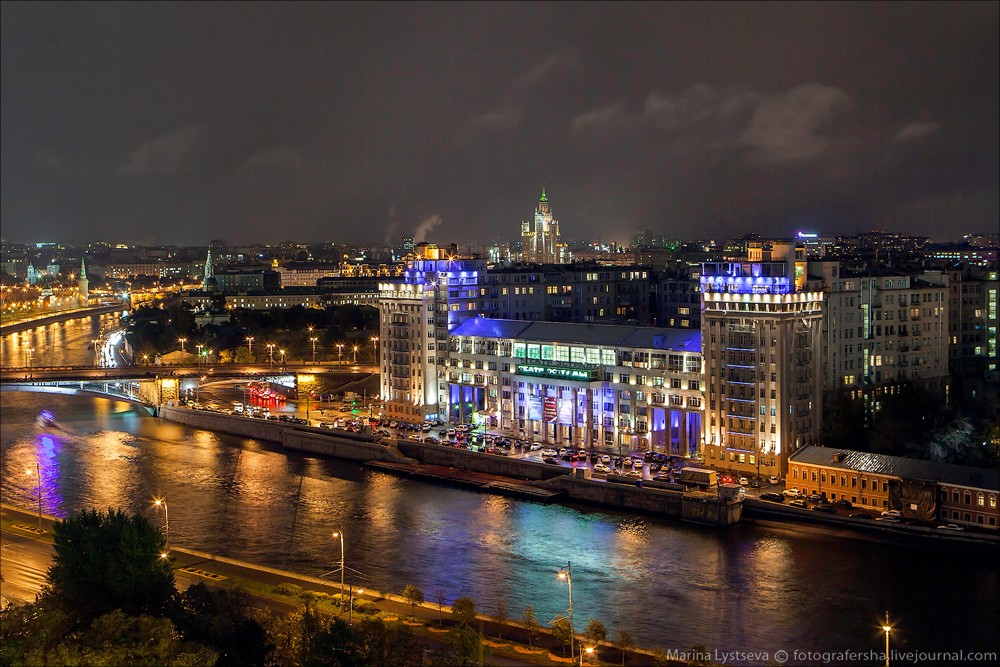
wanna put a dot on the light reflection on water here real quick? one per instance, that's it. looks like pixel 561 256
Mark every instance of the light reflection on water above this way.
pixel 670 584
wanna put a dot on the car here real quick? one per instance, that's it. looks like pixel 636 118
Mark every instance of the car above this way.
pixel 549 452
pixel 773 497
pixel 950 526
pixel 432 440
pixel 605 459
pixel 655 466
pixel 860 515
pixel 637 463
pixel 792 493
pixel 601 468
pixel 635 474
pixel 535 446
pixel 896 514
pixel 843 502
pixel 426 427
pixel 888 519
pixel 825 508
pixel 451 432
pixel 815 497
pixel 755 483
pixel 648 456
pixel 550 460
pixel 798 502
pixel 744 481
pixel 393 424
pixel 772 480
pixel 726 479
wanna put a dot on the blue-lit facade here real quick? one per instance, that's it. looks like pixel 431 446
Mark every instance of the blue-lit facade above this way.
pixel 762 345
pixel 435 295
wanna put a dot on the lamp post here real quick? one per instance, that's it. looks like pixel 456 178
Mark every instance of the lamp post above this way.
pixel 375 349
pixel 282 353
pixel 355 355
pixel 162 502
pixel 199 346
pixel 182 341
pixel 350 613
pixel 270 352
pixel 314 339
pixel 886 629
pixel 567 575
pixel 340 534
pixel 250 347
pixel 340 352
pixel 38 490
pixel 97 359
pixel 588 650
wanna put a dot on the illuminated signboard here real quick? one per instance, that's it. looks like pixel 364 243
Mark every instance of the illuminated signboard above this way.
pixel 578 374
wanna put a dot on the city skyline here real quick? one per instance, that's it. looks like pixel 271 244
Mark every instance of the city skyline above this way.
pixel 164 124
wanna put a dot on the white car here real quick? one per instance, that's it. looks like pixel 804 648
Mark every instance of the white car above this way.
pixel 605 459
pixel 744 481
pixel 772 480
pixel 535 446
pixel 792 493
pixel 950 526
pixel 896 514
pixel 605 470
pixel 550 452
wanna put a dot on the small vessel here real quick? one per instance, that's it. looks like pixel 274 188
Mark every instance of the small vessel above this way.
pixel 45 418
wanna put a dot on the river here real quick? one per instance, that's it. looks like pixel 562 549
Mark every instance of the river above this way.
pixel 750 587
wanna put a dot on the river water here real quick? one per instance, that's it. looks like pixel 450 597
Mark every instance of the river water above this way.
pixel 673 585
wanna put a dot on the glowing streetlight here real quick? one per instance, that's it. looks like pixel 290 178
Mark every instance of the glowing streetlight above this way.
pixel 886 628
pixel 340 352
pixel 145 359
pixel 375 348
pixel 250 346
pixel 162 502
pixel 282 353
pixel 340 535
pixel 182 341
pixel 270 351
pixel 567 576
pixel 355 355
pixel 199 346
pixel 314 339
pixel 38 490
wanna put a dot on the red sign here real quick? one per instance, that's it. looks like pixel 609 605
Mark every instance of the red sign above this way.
pixel 550 409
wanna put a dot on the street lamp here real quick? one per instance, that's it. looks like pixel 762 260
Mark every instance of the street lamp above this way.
pixel 162 502
pixel 314 339
pixel 38 490
pixel 95 341
pixel 200 346
pixel 282 353
pixel 182 341
pixel 350 613
pixel 340 534
pixel 886 629
pixel 270 352
pixel 355 355
pixel 340 352
pixel 589 651
pixel 567 575
pixel 250 346
pixel 375 348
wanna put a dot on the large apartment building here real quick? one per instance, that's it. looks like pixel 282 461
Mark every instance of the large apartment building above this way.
pixel 762 345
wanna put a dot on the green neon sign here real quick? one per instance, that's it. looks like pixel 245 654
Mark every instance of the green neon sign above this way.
pixel 578 374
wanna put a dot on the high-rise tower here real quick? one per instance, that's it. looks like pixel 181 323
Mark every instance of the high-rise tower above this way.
pixel 83 285
pixel 208 280
pixel 540 239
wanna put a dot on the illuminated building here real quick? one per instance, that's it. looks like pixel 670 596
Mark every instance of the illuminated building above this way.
pixel 83 285
pixel 437 293
pixel 208 282
pixel 761 340
pixel 578 385
pixel 540 239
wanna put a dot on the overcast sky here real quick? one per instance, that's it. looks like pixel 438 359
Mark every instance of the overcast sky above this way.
pixel 181 123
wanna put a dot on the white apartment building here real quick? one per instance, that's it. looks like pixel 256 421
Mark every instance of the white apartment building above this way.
pixel 761 340
pixel 578 385
pixel 883 329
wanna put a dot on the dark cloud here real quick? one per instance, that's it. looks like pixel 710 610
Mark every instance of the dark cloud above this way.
pixel 314 121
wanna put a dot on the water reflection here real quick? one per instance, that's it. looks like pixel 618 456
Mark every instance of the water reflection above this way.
pixel 670 584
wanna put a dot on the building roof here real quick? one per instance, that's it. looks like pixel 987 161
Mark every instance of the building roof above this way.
pixel 657 338
pixel 898 466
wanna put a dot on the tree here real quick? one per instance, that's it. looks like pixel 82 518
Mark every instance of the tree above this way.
pixel 463 610
pixel 562 631
pixel 221 618
pixel 530 622
pixel 624 643
pixel 439 595
pixel 501 617
pixel 109 560
pixel 461 648
pixel 413 595
pixel 595 631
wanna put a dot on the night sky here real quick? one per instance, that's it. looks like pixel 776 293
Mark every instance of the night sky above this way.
pixel 181 123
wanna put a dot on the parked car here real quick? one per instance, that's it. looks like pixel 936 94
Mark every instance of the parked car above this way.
pixel 535 446
pixel 950 526
pixel 843 502
pixel 604 470
pixel 755 483
pixel 606 459
pixel 825 508
pixel 889 519
pixel 772 480
pixel 815 497
pixel 550 452
pixel 634 474
pixel 792 492
pixel 896 514
pixel 860 515
pixel 773 497
pixel 744 481
pixel 550 460
pixel 798 502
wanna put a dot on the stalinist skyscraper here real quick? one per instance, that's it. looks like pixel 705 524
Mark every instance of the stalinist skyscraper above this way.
pixel 540 241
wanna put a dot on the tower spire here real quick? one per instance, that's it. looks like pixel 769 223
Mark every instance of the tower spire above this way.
pixel 543 197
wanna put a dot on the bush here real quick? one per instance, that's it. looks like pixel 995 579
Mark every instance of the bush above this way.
pixel 291 590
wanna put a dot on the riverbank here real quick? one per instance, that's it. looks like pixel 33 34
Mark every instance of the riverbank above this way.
pixel 506 638
pixel 511 476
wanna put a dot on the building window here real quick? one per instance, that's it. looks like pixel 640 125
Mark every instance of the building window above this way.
pixel 981 500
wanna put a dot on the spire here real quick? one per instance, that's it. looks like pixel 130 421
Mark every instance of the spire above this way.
pixel 543 197
pixel 209 272
pixel 83 267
